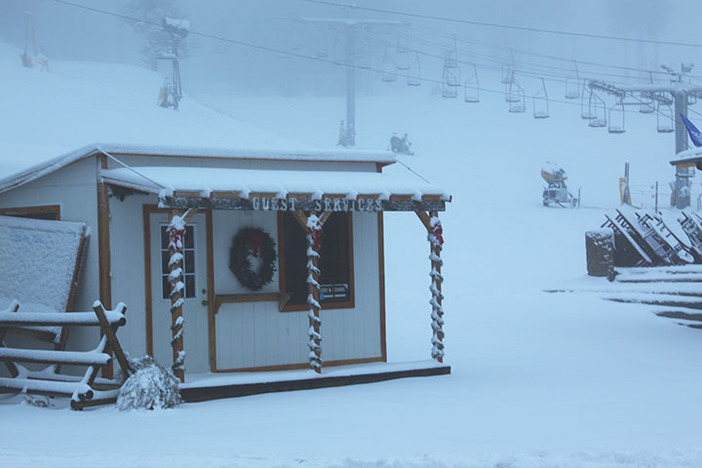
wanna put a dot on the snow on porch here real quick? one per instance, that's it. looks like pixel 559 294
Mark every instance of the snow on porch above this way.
pixel 210 386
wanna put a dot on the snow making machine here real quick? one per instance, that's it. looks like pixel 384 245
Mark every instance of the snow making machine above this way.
pixel 556 193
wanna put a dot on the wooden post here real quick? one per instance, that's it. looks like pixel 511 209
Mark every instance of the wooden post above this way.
pixel 176 241
pixel 109 332
pixel 104 259
pixel 313 228
pixel 11 367
pixel 436 241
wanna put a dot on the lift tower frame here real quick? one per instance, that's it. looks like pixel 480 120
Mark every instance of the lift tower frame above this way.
pixel 351 28
pixel 680 93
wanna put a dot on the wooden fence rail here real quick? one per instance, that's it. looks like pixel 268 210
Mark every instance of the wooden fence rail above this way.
pixel 83 390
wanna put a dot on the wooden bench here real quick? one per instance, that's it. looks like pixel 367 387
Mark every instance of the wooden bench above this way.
pixel 616 224
pixel 85 390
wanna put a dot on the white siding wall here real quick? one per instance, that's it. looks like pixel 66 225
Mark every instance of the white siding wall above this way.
pixel 258 335
pixel 127 268
pixel 249 335
pixel 355 333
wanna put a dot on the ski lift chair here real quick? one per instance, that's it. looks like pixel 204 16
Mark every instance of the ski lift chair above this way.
pixel 471 87
pixel 322 44
pixel 598 109
pixel 414 72
pixel 507 73
pixel 646 105
pixel 691 99
pixel 664 118
pixel 389 66
pixel 540 101
pixel 516 98
pixel 296 36
pixel 572 83
pixel 616 118
pixel 362 52
pixel 451 55
pixel 450 82
pixel 402 56
pixel 338 49
pixel 585 110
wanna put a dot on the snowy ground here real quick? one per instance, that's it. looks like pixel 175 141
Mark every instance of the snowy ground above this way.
pixel 539 380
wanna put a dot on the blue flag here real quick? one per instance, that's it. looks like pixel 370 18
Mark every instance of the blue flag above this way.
pixel 694 132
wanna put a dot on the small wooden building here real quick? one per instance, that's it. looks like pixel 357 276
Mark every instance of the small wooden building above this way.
pixel 236 260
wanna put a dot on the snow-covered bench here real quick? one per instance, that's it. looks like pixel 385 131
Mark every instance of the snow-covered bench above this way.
pixel 83 391
pixel 41 262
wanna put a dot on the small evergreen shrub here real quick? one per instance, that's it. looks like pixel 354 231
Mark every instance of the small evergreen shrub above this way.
pixel 151 386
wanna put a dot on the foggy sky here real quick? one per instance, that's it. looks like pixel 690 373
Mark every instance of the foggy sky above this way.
pixel 72 34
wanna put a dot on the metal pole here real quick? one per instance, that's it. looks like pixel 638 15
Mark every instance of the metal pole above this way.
pixel 682 174
pixel 350 85
pixel 656 196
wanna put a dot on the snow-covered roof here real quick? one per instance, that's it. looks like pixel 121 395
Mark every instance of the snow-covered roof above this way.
pixel 689 156
pixel 314 155
pixel 207 182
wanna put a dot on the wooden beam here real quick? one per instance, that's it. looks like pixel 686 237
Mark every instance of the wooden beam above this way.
pixel 109 332
pixel 188 193
pixel 227 194
pixel 205 393
pixel 381 286
pixel 294 203
pixel 424 218
pixel 148 306
pixel 211 311
pixel 301 218
pixel 11 367
pixel 104 254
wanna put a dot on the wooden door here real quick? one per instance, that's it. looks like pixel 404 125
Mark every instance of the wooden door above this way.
pixel 195 307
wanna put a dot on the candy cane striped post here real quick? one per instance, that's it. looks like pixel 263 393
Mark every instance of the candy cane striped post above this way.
pixel 176 243
pixel 436 241
pixel 312 225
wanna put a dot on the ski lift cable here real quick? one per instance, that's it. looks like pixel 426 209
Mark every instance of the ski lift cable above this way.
pixel 538 70
pixel 261 47
pixel 234 41
pixel 550 57
pixel 219 38
pixel 491 57
pixel 509 26
pixel 412 170
pixel 130 168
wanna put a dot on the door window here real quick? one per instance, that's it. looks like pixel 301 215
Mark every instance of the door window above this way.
pixel 188 263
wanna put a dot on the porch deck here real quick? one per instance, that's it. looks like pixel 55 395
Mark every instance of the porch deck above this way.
pixel 209 386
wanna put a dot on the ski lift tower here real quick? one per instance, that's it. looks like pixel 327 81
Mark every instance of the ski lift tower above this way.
pixel 177 31
pixel 351 28
pixel 681 93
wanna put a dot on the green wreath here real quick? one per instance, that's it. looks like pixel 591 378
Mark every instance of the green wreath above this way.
pixel 257 243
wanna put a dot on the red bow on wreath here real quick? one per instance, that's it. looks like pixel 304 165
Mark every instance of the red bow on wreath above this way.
pixel 256 240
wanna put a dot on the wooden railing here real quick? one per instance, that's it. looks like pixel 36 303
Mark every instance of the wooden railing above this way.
pixel 83 390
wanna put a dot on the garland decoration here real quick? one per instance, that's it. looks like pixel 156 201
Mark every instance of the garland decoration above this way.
pixel 176 243
pixel 436 240
pixel 257 243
